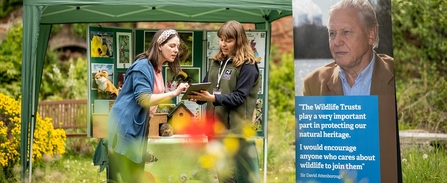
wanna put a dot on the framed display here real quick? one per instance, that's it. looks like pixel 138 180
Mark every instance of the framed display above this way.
pixel 99 67
pixel 148 36
pixel 257 42
pixel 101 44
pixel 121 79
pixel 261 88
pixel 257 121
pixel 192 73
pixel 186 39
pixel 212 44
pixel 124 57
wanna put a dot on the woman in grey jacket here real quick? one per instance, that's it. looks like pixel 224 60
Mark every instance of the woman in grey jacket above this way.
pixel 231 99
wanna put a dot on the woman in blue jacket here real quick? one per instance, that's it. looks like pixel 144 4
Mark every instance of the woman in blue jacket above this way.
pixel 136 103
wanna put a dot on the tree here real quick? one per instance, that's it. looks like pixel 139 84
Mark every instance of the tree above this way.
pixel 281 78
pixel 8 6
pixel 420 44
pixel 419 36
pixel 11 62
pixel 60 79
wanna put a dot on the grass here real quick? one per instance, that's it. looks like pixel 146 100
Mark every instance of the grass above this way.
pixel 424 165
pixel 419 164
pixel 71 168
pixel 75 166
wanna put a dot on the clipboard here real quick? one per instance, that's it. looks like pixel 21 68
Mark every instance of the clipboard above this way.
pixel 195 87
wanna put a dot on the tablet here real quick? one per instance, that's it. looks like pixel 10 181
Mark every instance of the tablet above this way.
pixel 195 87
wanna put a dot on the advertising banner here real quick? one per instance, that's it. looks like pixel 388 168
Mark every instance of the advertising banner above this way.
pixel 340 67
pixel 337 139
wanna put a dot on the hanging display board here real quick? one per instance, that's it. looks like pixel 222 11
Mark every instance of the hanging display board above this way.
pixel 112 51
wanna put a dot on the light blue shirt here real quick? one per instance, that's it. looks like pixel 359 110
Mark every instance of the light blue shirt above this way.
pixel 362 84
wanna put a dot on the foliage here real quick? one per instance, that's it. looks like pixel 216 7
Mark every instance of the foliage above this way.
pixel 281 119
pixel 71 168
pixel 65 80
pixel 47 140
pixel 421 102
pixel 281 78
pixel 77 29
pixel 11 62
pixel 281 151
pixel 7 6
pixel 60 80
pixel 419 37
pixel 418 165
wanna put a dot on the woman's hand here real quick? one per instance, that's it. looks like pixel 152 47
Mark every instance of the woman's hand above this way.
pixel 203 95
pixel 180 88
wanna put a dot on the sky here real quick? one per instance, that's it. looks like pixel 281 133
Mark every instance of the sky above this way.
pixel 313 7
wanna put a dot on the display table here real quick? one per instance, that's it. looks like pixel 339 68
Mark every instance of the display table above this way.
pixel 177 159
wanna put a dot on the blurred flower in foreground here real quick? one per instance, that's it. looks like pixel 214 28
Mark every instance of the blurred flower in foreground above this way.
pixel 231 145
pixel 249 132
pixel 214 156
pixel 206 126
pixel 217 155
pixel 350 176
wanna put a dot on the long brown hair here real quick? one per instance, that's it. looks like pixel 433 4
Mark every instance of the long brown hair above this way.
pixel 152 53
pixel 234 30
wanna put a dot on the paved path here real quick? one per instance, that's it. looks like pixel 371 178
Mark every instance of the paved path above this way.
pixel 422 137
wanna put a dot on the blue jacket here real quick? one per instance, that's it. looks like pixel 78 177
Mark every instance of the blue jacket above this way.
pixel 128 121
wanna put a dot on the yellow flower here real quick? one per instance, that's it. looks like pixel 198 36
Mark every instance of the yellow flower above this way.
pixel 43 143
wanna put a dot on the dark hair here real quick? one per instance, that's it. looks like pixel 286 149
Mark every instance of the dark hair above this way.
pixel 152 53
